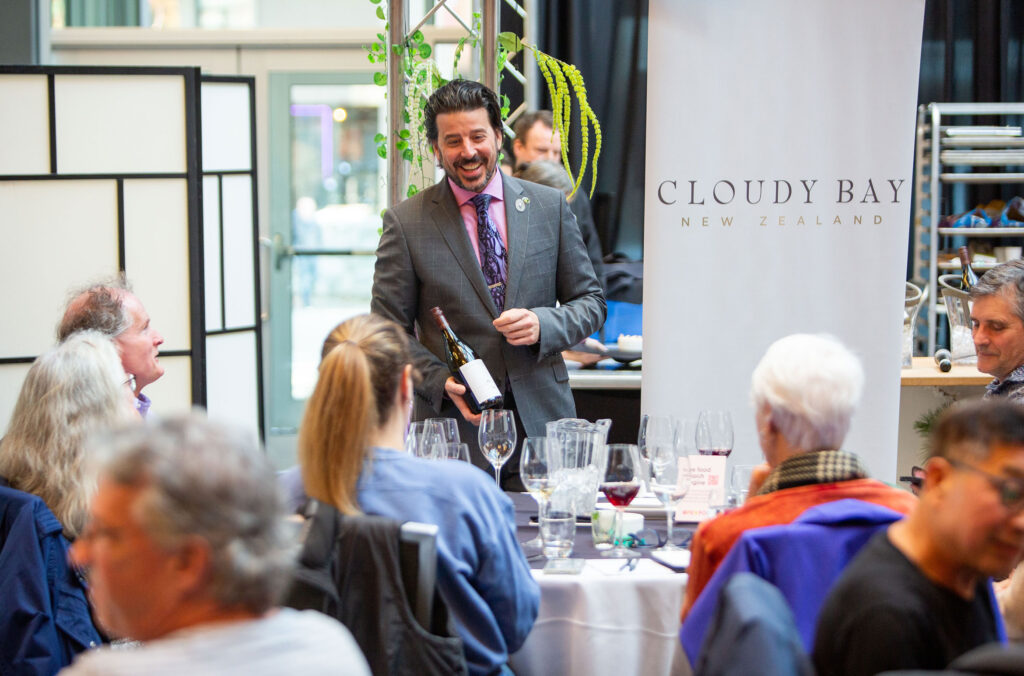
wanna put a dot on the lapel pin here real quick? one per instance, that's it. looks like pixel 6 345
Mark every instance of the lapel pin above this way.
pixel 520 204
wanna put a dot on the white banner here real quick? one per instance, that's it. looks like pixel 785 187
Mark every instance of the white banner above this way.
pixel 780 144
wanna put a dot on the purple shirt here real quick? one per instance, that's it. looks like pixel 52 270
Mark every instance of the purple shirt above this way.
pixel 496 210
pixel 142 404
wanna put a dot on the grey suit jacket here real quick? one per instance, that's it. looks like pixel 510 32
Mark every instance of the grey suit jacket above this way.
pixel 425 258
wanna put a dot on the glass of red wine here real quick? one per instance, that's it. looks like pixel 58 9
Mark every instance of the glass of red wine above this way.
pixel 714 433
pixel 620 483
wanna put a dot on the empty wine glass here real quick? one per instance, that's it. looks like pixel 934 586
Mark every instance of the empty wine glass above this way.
pixel 714 433
pixel 450 450
pixel 497 438
pixel 620 482
pixel 449 428
pixel 654 430
pixel 535 471
pixel 421 438
pixel 670 481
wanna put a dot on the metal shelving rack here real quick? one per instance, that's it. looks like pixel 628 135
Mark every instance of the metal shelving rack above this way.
pixel 942 148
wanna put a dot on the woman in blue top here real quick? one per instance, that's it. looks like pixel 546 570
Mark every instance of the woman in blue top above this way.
pixel 350 451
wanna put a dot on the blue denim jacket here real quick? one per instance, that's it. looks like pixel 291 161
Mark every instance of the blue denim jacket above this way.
pixel 44 614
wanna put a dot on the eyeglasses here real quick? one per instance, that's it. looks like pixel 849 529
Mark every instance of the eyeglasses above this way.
pixel 1011 491
pixel 130 382
pixel 648 537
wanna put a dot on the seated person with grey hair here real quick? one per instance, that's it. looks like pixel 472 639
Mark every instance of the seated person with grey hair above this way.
pixel 110 307
pixel 997 327
pixel 71 392
pixel 918 595
pixel 187 551
pixel 804 391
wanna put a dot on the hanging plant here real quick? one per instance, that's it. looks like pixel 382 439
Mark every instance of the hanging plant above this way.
pixel 561 77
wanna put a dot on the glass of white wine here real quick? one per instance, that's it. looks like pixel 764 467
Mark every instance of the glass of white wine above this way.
pixel 497 437
pixel 535 471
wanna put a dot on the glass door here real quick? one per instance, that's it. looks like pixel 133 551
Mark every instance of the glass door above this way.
pixel 327 190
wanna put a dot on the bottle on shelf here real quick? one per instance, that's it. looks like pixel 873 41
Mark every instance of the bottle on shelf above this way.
pixel 968 278
pixel 470 370
pixel 944 360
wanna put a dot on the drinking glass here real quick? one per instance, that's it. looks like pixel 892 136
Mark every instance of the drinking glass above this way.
pixel 670 481
pixel 714 433
pixel 739 480
pixel 620 482
pixel 449 428
pixel 557 530
pixel 497 438
pixel 535 471
pixel 654 430
pixel 449 450
pixel 422 437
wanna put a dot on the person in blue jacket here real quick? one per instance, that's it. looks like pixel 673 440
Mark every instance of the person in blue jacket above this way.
pixel 74 390
pixel 350 450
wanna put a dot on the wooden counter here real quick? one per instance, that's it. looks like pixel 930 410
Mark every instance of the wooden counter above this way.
pixel 926 373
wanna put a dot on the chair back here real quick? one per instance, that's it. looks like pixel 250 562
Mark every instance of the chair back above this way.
pixel 378 578
pixel 752 632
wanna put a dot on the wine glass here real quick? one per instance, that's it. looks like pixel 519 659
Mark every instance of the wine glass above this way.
pixel 620 482
pixel 654 430
pixel 422 437
pixel 714 433
pixel 449 429
pixel 451 450
pixel 670 481
pixel 535 471
pixel 497 438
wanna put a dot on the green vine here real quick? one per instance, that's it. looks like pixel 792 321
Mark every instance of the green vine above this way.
pixel 562 77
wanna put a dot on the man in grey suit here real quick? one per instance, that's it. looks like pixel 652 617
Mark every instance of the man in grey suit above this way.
pixel 432 252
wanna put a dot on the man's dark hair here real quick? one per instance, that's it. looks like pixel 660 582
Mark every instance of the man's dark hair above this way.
pixel 972 428
pixel 1008 279
pixel 526 121
pixel 461 95
pixel 97 307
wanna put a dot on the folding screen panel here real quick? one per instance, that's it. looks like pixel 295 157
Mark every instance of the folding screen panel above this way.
pixel 233 341
pixel 100 171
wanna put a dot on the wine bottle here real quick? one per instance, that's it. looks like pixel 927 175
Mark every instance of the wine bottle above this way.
pixel 470 370
pixel 967 276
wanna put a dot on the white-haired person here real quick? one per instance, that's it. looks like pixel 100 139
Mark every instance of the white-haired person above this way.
pixel 72 391
pixel 804 392
pixel 350 449
pixel 187 551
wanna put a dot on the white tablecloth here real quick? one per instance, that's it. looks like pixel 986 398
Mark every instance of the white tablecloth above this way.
pixel 606 621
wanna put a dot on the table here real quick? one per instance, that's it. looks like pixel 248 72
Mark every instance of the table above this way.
pixel 604 620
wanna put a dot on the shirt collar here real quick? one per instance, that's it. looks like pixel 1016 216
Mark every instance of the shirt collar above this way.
pixel 814 467
pixel 1016 376
pixel 493 188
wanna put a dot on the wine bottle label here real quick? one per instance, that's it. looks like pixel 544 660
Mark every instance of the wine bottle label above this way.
pixel 479 380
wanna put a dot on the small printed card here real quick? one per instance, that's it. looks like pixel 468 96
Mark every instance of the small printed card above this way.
pixel 707 487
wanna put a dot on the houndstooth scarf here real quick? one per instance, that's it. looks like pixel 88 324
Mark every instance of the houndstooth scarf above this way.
pixel 815 467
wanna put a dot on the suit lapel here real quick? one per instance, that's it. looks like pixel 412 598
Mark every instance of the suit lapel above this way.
pixel 449 223
pixel 518 226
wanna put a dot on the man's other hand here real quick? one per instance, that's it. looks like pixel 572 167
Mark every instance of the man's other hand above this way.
pixel 456 391
pixel 519 326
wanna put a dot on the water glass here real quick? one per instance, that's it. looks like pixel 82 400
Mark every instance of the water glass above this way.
pixel 557 531
pixel 739 481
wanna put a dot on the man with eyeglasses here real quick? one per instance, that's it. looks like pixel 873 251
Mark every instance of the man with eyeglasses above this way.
pixel 919 595
pixel 997 327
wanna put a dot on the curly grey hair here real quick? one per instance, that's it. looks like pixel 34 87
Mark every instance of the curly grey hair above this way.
pixel 97 307
pixel 812 384
pixel 203 479
pixel 545 172
pixel 74 390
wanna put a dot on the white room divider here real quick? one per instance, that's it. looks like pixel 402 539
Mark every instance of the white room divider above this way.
pixel 101 171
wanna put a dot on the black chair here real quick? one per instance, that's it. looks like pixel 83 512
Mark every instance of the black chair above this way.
pixel 378 578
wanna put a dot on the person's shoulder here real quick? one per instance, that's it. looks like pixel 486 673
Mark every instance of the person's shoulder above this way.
pixel 445 479
pixel 422 200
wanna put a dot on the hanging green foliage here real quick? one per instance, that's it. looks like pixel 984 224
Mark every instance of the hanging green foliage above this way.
pixel 564 80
